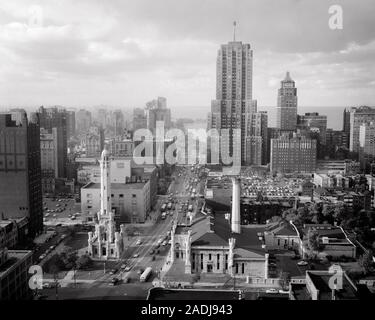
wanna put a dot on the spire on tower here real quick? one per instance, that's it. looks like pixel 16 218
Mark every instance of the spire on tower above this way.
pixel 234 30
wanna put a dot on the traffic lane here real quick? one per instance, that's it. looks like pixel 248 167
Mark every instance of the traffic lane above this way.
pixel 128 291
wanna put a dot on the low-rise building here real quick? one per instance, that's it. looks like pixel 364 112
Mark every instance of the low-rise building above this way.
pixel 333 241
pixel 131 201
pixel 8 233
pixel 281 235
pixel 317 287
pixel 207 246
pixel 14 277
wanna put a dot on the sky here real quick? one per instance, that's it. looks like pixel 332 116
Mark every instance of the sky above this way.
pixel 124 53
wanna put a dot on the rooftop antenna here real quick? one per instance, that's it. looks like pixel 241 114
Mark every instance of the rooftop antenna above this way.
pixel 234 30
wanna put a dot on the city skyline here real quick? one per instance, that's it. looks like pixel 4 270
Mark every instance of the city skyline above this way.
pixel 113 61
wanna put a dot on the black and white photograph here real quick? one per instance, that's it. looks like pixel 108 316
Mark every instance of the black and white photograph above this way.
pixel 210 153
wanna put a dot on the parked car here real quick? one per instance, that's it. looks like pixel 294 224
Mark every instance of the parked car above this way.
pixel 128 268
pixel 302 263
pixel 272 291
pixel 114 281
pixel 136 255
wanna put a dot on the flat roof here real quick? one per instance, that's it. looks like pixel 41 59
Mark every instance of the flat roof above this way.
pixel 116 186
pixel 320 280
pixel 14 256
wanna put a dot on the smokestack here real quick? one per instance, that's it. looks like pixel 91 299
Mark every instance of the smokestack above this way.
pixel 236 216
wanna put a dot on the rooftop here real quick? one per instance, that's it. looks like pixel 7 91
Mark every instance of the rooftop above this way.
pixel 216 230
pixel 320 280
pixel 116 186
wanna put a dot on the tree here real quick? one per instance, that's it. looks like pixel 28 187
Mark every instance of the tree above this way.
pixel 366 261
pixel 69 258
pixel 313 240
pixel 84 262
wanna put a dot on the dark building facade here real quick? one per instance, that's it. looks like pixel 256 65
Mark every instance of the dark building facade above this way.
pixel 20 169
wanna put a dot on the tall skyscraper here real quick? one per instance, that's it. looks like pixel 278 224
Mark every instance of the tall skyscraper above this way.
pixel 56 118
pixel 49 159
pixel 234 103
pixel 286 117
pixel 20 171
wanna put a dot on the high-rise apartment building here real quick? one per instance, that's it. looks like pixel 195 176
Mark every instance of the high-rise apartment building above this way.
pixel 234 103
pixel 56 118
pixel 70 123
pixel 296 154
pixel 286 116
pixel 314 122
pixel 20 170
pixel 49 159
pixel 367 142
pixel 359 116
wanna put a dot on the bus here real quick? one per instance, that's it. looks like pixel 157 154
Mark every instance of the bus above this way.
pixel 145 275
pixel 190 208
pixel 163 207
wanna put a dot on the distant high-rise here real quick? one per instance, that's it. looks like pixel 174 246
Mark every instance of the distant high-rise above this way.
pixel 20 170
pixel 70 123
pixel 139 119
pixel 286 117
pixel 156 110
pixel 83 121
pixel 359 116
pixel 256 139
pixel 56 118
pixel 234 103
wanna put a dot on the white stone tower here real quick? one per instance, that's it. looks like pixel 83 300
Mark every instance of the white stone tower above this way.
pixel 236 197
pixel 105 183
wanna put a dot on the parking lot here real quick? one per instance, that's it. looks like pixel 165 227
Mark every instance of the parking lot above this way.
pixel 65 211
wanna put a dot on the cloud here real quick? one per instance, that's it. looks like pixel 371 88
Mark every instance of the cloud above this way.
pixel 125 52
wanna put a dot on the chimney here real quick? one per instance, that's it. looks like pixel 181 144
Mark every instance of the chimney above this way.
pixel 236 216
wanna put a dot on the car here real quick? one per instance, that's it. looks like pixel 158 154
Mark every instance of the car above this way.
pixel 165 243
pixel 302 263
pixel 114 281
pixel 46 285
pixel 123 266
pixel 136 255
pixel 160 241
pixel 152 251
pixel 52 247
pixel 272 291
pixel 139 242
pixel 284 291
pixel 126 280
pixel 128 268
